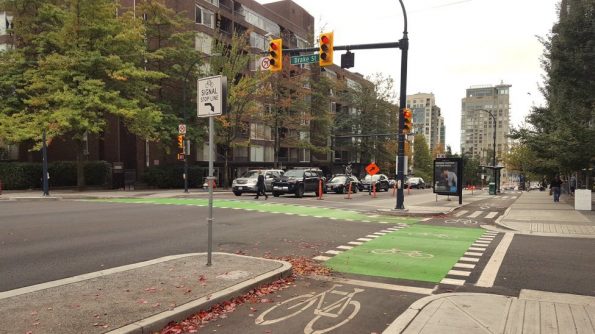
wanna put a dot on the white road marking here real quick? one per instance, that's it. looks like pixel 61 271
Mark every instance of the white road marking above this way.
pixel 473 254
pixel 459 273
pixel 477 249
pixel 475 214
pixel 394 228
pixel 485 242
pixel 334 252
pixel 379 233
pixel 355 243
pixel 469 259
pixel 426 219
pixel 491 214
pixel 452 281
pixel 464 265
pixel 460 213
pixel 371 236
pixel 364 239
pixel 479 245
pixel 488 276
pixel 345 247
pixel 391 287
pixel 386 231
pixel 322 258
pixel 486 238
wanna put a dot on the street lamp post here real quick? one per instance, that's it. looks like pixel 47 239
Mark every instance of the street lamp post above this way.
pixel 493 147
pixel 404 46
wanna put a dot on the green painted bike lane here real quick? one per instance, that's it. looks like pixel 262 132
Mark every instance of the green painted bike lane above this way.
pixel 275 208
pixel 419 252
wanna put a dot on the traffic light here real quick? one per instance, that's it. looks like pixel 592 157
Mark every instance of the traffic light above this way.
pixel 276 55
pixel 180 141
pixel 407 120
pixel 326 49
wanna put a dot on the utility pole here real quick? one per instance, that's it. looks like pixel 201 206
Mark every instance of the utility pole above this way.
pixel 404 46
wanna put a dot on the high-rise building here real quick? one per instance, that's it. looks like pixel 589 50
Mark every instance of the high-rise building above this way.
pixel 477 127
pixel 426 118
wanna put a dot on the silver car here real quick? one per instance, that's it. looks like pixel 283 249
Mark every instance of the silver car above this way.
pixel 247 182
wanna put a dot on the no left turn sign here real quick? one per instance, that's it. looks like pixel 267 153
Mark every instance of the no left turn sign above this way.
pixel 265 63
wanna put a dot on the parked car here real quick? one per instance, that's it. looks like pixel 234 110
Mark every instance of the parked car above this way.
pixel 340 184
pixel 247 182
pixel 298 182
pixel 416 182
pixel 380 180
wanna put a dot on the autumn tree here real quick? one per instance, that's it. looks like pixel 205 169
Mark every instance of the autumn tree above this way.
pixel 74 64
pixel 422 160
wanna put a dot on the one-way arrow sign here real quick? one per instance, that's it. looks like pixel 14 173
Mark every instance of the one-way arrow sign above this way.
pixel 211 96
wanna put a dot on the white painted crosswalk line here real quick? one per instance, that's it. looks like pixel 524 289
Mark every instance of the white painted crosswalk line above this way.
pixel 469 259
pixel 345 247
pixel 491 214
pixel 322 258
pixel 460 213
pixel 451 281
pixel 459 273
pixel 475 214
pixel 364 239
pixel 334 252
pixel 471 254
pixel 357 243
pixel 371 236
pixel 464 265
pixel 479 249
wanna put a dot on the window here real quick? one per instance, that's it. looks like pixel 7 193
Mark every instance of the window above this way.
pixel 203 43
pixel 213 2
pixel 257 153
pixel 260 131
pixel 304 155
pixel 261 22
pixel 204 17
pixel 258 41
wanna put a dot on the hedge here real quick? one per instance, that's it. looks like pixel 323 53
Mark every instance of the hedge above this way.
pixel 170 176
pixel 24 175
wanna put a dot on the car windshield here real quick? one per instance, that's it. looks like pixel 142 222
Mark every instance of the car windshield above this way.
pixel 370 177
pixel 295 173
pixel 250 174
pixel 338 179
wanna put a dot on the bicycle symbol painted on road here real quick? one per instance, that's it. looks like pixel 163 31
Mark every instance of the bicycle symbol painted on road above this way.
pixel 296 305
pixel 461 221
pixel 396 251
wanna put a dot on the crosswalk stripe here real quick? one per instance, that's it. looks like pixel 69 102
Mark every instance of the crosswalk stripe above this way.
pixel 477 249
pixel 471 254
pixel 492 214
pixel 475 214
pixel 357 243
pixel 345 247
pixel 486 239
pixel 379 233
pixel 334 252
pixel 469 259
pixel 322 258
pixel 452 281
pixel 464 265
pixel 364 239
pixel 459 273
pixel 371 236
pixel 460 213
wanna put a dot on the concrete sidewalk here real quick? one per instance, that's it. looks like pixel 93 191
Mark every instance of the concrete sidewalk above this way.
pixel 138 298
pixel 536 213
pixel 469 313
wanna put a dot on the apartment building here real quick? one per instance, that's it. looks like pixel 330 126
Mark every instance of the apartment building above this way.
pixel 427 119
pixel 477 127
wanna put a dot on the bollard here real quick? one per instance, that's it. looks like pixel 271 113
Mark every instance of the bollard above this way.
pixel 348 192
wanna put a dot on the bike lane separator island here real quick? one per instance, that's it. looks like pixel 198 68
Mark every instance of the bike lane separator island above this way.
pixel 273 208
pixel 417 253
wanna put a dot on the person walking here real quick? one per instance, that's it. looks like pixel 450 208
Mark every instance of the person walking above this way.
pixel 260 187
pixel 555 187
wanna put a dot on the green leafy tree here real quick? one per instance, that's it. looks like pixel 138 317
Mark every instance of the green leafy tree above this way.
pixel 75 64
pixel 422 160
pixel 563 131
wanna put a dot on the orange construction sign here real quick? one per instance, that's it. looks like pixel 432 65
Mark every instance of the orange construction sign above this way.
pixel 372 168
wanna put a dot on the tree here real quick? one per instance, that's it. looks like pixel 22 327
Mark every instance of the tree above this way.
pixel 563 131
pixel 74 64
pixel 422 160
pixel 231 59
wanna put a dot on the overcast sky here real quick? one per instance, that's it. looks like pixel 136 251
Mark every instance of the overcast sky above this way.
pixel 454 44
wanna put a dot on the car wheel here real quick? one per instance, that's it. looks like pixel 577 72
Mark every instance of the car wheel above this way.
pixel 276 194
pixel 300 191
pixel 237 193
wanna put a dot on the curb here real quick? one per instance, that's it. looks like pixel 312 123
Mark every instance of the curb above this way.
pixel 403 321
pixel 158 321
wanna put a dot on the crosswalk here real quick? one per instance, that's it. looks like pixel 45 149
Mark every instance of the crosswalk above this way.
pixel 476 214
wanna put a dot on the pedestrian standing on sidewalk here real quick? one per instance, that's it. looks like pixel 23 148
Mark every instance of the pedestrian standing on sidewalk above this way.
pixel 260 188
pixel 555 187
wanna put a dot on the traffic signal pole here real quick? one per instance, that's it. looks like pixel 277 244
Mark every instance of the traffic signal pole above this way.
pixel 404 46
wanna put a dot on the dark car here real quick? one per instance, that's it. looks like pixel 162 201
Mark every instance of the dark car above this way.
pixel 416 182
pixel 298 182
pixel 340 184
pixel 380 180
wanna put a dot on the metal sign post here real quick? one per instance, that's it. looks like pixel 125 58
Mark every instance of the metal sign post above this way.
pixel 211 101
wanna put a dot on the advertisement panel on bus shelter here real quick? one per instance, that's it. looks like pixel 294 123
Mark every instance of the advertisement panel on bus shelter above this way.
pixel 448 174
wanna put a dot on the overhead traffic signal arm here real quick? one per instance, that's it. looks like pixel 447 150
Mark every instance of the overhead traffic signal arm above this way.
pixel 326 49
pixel 276 55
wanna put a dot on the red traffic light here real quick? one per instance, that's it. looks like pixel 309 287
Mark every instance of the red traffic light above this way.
pixel 325 39
pixel 274 46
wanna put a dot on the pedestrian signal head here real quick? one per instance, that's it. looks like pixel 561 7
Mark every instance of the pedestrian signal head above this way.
pixel 326 49
pixel 276 55
pixel 180 141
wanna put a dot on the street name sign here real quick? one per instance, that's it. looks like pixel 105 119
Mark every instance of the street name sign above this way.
pixel 307 59
pixel 212 94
